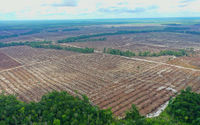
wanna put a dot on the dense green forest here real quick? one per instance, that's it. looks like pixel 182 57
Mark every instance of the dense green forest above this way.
pixel 60 108
pixel 186 107
pixel 119 52
pixel 24 43
pixel 56 108
pixel 178 53
pixel 58 47
pixel 127 53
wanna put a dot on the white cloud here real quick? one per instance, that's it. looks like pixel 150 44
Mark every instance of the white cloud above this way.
pixel 64 3
pixel 66 9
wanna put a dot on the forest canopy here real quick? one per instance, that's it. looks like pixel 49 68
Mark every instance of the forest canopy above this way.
pixel 60 108
pixel 128 53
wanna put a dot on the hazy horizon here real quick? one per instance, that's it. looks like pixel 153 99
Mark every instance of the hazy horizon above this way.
pixel 103 19
pixel 97 9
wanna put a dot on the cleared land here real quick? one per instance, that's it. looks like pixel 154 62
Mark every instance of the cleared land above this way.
pixel 7 62
pixel 108 81
pixel 153 42
pixel 190 62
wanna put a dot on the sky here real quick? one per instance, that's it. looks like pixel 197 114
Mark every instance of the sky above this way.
pixel 96 9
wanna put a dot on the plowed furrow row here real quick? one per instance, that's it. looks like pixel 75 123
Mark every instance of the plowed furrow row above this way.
pixel 108 90
pixel 56 82
pixel 23 82
pixel 85 79
pixel 108 98
pixel 118 101
pixel 44 79
pixel 5 87
pixel 20 90
pixel 133 99
pixel 157 103
pixel 34 80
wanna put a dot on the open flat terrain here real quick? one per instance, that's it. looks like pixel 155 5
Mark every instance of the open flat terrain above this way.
pixel 153 42
pixel 108 81
pixel 7 62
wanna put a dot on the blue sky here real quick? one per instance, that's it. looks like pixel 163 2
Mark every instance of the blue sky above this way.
pixel 93 9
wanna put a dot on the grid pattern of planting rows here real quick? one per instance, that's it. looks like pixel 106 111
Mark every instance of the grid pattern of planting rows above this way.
pixel 108 81
pixel 148 90
pixel 28 55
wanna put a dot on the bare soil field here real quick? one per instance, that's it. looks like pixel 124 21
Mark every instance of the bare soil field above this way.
pixel 190 62
pixel 163 59
pixel 28 55
pixel 108 81
pixel 7 62
pixel 153 42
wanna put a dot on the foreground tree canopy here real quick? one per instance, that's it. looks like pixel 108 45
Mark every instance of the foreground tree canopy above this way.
pixel 60 108
pixel 186 107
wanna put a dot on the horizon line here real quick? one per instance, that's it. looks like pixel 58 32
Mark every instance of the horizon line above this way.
pixel 94 19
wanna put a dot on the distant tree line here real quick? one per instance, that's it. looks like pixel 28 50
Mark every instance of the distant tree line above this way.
pixel 172 24
pixel 57 30
pixel 175 28
pixel 182 31
pixel 119 52
pixel 8 36
pixel 82 38
pixel 58 47
pixel 47 45
pixel 31 32
pixel 178 53
pixel 52 31
pixel 20 34
pixel 34 31
pixel 128 53
pixel 23 43
pixel 91 40
pixel 167 29
pixel 72 29
pixel 75 39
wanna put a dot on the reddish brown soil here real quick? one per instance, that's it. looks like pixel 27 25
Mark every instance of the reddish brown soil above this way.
pixel 7 62
pixel 189 62
pixel 109 81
